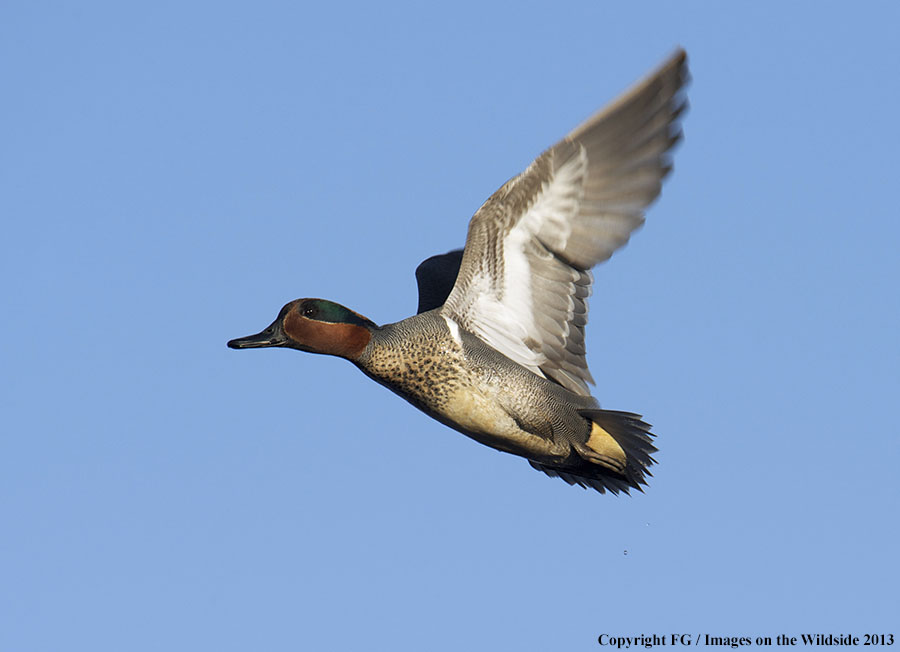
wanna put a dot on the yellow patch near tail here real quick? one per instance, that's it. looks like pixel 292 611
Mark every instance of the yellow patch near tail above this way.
pixel 602 443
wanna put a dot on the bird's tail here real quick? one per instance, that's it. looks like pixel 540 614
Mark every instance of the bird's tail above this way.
pixel 616 455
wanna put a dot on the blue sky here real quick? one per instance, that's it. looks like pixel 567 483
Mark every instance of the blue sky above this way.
pixel 171 174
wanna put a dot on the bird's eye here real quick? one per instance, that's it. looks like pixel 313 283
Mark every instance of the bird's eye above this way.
pixel 309 310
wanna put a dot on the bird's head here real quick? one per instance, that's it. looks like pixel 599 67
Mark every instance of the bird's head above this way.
pixel 316 326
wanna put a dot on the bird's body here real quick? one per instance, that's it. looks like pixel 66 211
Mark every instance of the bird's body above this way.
pixel 497 349
pixel 469 386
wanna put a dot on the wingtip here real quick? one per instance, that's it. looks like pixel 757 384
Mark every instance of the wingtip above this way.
pixel 679 55
pixel 678 60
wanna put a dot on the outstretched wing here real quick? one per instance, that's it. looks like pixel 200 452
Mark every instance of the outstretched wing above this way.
pixel 524 279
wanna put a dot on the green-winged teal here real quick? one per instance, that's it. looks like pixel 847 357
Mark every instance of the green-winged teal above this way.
pixel 496 350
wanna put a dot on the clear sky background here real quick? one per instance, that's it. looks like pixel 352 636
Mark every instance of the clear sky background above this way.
pixel 172 173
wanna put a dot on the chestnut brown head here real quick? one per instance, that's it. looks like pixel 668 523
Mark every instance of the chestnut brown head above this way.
pixel 316 326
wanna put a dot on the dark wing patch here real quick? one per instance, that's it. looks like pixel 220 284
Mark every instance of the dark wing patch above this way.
pixel 436 277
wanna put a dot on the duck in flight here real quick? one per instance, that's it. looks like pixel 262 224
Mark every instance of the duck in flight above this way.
pixel 497 348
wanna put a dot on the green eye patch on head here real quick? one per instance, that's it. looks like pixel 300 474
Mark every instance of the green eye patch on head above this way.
pixel 328 311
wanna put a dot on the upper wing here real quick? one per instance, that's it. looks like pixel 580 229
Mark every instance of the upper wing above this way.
pixel 524 278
